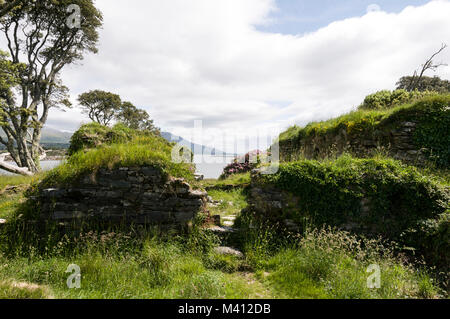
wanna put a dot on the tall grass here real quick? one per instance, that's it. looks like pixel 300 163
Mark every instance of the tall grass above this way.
pixel 329 263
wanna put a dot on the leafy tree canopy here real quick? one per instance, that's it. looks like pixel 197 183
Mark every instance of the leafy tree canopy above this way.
pixel 101 107
pixel 136 118
pixel 426 83
pixel 41 38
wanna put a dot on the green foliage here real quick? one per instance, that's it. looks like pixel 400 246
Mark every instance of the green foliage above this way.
pixel 388 99
pixel 231 202
pixel 374 196
pixel 333 264
pixel 431 237
pixel 426 83
pixel 136 119
pixel 16 180
pixel 42 43
pixel 232 181
pixel 141 263
pixel 101 107
pixel 94 135
pixel 432 115
pixel 138 151
pixel 148 263
pixel 432 134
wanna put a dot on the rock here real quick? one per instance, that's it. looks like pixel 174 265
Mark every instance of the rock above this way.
pixel 197 194
pixel 198 177
pixel 222 229
pixel 228 223
pixel 228 251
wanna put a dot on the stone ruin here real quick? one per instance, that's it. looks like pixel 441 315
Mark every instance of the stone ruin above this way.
pixel 139 195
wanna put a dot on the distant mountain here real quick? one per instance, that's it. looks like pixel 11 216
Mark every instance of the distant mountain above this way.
pixel 52 138
pixel 195 148
pixel 50 135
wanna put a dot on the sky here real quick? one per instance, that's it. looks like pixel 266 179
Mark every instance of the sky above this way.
pixel 248 68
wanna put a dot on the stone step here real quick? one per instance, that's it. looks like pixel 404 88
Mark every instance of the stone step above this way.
pixel 223 250
pixel 228 223
pixel 222 229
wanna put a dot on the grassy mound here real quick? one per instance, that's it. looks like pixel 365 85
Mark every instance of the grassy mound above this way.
pixel 431 113
pixel 95 146
pixel 373 196
pixel 93 135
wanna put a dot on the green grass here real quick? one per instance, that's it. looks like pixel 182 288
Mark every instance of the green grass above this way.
pixel 235 180
pixel 232 202
pixel 14 180
pixel 332 264
pixel 146 263
pixel 141 151
pixel 358 120
pixel 12 199
pixel 431 114
pixel 154 271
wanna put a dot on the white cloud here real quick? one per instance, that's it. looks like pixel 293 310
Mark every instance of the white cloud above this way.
pixel 205 60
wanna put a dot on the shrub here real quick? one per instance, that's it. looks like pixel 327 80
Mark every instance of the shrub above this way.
pixel 243 164
pixel 93 135
pixel 370 196
pixel 387 99
pixel 432 134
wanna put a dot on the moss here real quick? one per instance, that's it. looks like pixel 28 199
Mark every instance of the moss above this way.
pixel 375 196
pixel 432 114
pixel 140 151
pixel 93 135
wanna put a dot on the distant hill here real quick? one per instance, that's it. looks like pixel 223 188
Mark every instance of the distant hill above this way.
pixel 52 138
pixel 195 148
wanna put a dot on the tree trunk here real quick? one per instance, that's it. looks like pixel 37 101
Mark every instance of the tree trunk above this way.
pixel 11 168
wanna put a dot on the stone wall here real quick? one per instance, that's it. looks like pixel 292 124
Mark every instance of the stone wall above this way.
pixel 397 140
pixel 134 195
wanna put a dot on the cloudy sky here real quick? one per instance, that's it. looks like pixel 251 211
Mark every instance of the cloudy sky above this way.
pixel 246 67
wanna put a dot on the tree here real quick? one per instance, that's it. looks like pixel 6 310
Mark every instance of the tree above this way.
pixel 40 42
pixel 416 79
pixel 136 118
pixel 7 6
pixel 427 83
pixel 101 107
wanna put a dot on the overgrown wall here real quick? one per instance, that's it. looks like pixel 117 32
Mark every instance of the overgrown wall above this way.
pixel 137 195
pixel 363 196
pixel 416 134
pixel 397 141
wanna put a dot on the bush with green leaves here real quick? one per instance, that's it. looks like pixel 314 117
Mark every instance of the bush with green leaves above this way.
pixel 387 99
pixel 93 135
pixel 371 196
